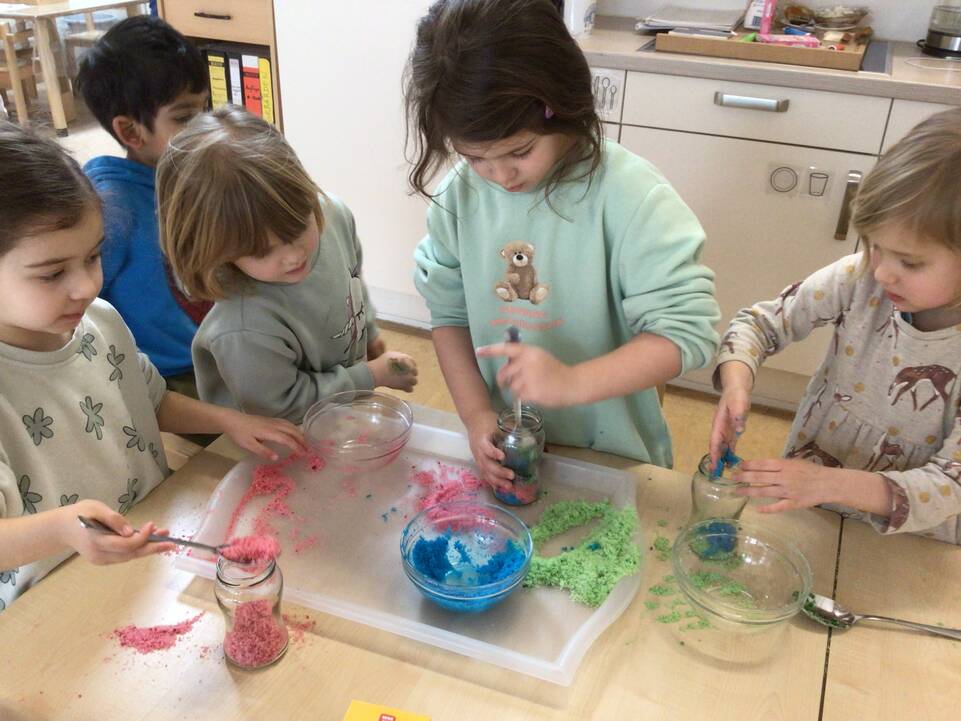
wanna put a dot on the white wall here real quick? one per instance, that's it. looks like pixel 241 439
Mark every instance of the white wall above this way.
pixel 340 72
pixel 891 19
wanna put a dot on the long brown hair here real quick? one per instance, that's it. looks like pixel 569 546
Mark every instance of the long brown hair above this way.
pixel 224 184
pixel 42 188
pixel 484 70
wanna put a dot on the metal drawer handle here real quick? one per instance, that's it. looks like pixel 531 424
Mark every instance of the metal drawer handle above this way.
pixel 844 218
pixel 744 101
pixel 212 16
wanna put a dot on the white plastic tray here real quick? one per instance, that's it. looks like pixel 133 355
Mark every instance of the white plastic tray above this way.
pixel 354 569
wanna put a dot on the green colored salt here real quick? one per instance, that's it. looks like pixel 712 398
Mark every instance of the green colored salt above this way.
pixel 651 605
pixel 660 590
pixel 672 617
pixel 592 568
pixel 663 547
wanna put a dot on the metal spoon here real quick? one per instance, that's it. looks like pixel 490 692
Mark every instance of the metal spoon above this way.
pixel 826 611
pixel 94 525
pixel 513 335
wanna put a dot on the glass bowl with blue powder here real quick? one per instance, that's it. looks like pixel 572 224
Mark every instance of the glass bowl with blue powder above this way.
pixel 740 576
pixel 466 556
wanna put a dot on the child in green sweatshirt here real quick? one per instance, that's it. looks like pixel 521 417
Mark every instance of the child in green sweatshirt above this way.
pixel 546 226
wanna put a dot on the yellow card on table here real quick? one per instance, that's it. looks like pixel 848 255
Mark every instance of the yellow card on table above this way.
pixel 363 711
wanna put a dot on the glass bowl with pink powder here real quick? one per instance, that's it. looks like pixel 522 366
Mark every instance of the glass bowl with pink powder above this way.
pixel 466 555
pixel 358 431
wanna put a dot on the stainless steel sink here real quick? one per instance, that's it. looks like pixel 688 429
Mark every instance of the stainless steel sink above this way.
pixel 877 58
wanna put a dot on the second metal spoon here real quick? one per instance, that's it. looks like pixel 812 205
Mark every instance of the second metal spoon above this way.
pixel 828 612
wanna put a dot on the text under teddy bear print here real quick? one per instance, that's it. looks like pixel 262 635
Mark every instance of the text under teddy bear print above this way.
pixel 520 285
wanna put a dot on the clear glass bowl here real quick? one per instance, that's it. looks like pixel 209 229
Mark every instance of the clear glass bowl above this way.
pixel 739 575
pixel 357 431
pixel 466 556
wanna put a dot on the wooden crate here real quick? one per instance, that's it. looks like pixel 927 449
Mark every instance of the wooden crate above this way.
pixel 848 59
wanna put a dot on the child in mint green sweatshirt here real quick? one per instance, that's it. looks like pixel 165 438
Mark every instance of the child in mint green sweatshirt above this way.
pixel 546 226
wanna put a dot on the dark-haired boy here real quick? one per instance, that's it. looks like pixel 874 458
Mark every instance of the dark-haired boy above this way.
pixel 143 81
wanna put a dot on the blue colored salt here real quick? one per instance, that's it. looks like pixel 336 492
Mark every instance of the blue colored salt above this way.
pixel 447 560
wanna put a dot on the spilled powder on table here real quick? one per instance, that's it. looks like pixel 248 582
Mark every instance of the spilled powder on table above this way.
pixel 298 626
pixel 270 479
pixel 147 639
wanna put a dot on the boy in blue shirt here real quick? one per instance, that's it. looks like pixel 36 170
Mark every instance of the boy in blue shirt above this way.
pixel 143 81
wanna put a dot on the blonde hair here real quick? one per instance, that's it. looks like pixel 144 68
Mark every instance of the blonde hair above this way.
pixel 225 184
pixel 917 184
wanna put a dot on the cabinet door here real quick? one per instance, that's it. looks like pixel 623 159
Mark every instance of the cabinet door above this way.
pixel 905 114
pixel 759 240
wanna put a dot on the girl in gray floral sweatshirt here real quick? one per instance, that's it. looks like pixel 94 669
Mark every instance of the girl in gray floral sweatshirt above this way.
pixel 878 433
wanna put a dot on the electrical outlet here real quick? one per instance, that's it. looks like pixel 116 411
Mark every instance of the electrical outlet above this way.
pixel 608 88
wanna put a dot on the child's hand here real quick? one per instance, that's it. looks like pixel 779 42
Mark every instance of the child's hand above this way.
pixel 730 419
pixel 249 432
pixel 102 548
pixel 795 483
pixel 375 349
pixel 533 374
pixel 487 456
pixel 394 370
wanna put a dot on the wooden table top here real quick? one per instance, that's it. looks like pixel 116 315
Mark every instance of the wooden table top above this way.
pixel 60 662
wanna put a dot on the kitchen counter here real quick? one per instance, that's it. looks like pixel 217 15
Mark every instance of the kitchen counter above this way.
pixel 60 662
pixel 614 43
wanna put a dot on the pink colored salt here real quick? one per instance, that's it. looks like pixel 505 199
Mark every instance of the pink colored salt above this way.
pixel 257 638
pixel 148 639
pixel 271 480
pixel 445 484
pixel 298 627
pixel 251 549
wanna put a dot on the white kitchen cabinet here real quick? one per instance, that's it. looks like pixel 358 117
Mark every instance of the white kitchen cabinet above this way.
pixel 905 114
pixel 758 112
pixel 759 238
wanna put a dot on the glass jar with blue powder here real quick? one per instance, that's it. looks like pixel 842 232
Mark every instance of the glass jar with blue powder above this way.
pixel 523 446
pixel 713 493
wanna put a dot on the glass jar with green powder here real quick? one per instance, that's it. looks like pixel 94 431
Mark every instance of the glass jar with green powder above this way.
pixel 523 446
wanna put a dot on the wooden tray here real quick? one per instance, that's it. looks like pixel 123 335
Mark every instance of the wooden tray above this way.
pixel 848 59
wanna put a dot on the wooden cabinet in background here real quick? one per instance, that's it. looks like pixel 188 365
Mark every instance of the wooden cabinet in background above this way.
pixel 250 22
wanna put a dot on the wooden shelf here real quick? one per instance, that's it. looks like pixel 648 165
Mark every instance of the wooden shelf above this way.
pixel 249 22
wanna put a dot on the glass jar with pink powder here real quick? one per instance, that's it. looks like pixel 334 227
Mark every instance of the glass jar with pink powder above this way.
pixel 249 595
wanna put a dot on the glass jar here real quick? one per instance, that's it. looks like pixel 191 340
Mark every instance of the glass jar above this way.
pixel 714 496
pixel 249 596
pixel 523 446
